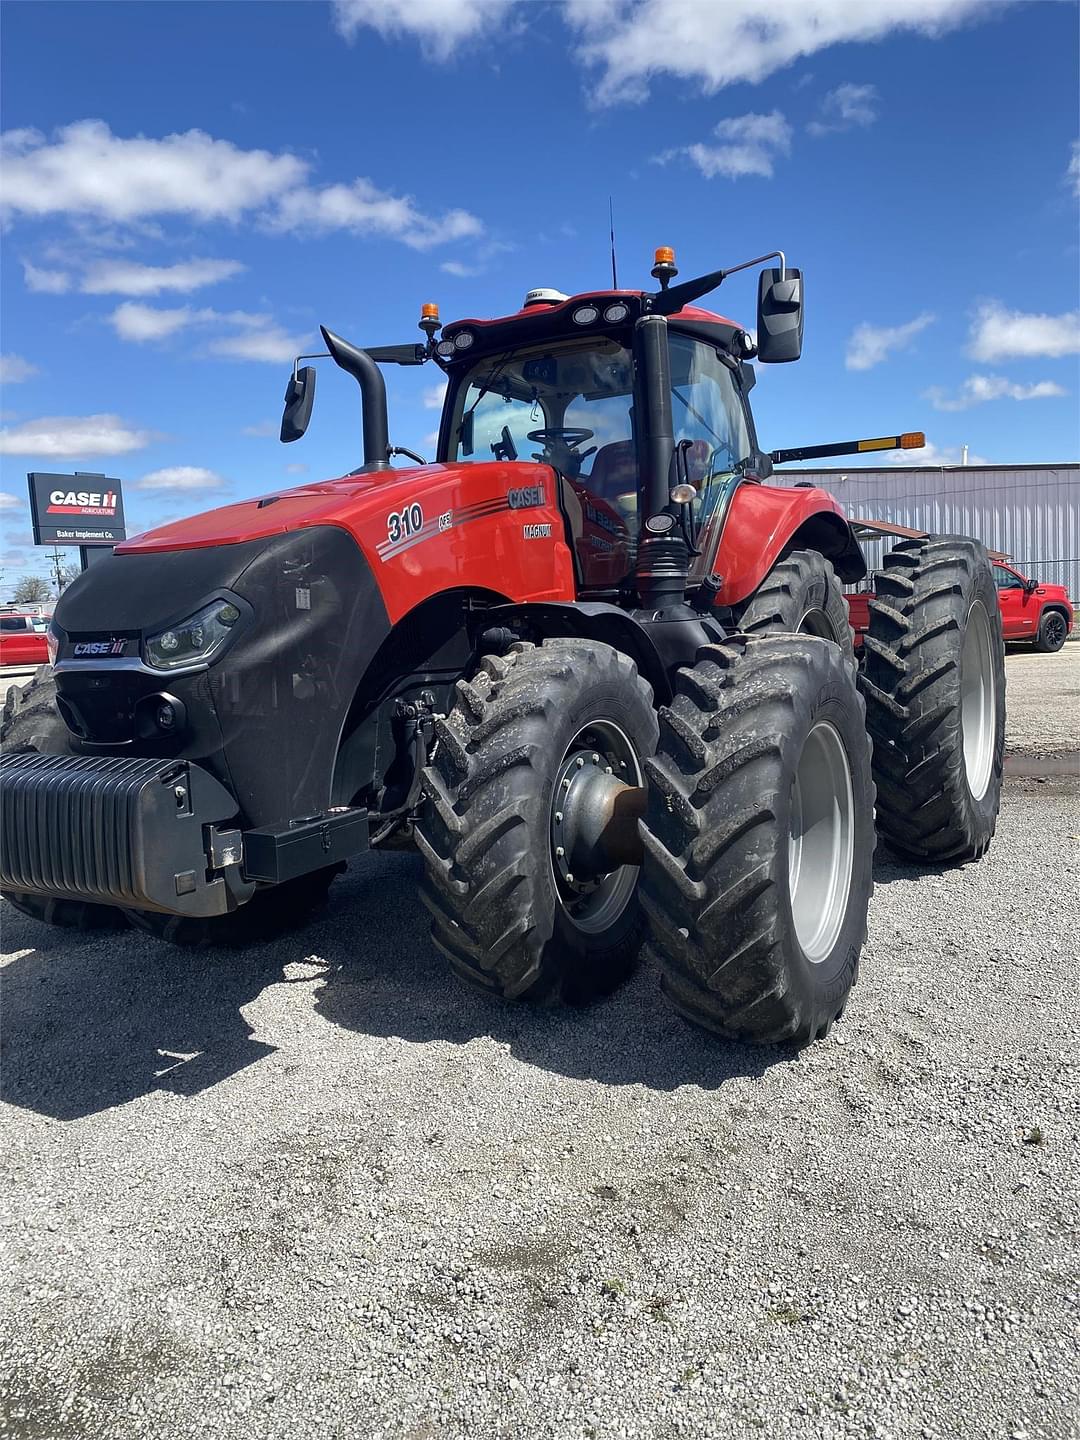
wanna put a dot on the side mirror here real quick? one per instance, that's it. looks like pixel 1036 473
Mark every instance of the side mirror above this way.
pixel 779 316
pixel 1031 586
pixel 299 398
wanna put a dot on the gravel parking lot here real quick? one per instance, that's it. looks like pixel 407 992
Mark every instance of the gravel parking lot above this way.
pixel 319 1189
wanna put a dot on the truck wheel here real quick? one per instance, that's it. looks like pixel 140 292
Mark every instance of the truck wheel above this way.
pixel 267 914
pixel 1053 632
pixel 32 722
pixel 934 683
pixel 531 807
pixel 759 839
pixel 800 595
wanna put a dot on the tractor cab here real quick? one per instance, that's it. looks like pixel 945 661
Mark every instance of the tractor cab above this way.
pixel 556 384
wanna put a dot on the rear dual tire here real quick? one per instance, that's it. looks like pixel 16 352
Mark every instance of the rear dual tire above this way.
pixel 934 682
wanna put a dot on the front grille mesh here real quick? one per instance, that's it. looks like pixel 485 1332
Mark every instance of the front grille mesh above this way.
pixel 69 822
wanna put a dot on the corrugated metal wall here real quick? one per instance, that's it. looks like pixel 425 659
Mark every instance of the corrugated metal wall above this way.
pixel 1031 512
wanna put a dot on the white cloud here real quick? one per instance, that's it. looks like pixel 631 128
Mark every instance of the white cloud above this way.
pixel 751 144
pixel 977 389
pixel 9 502
pixel 1072 174
pixel 440 25
pixel 72 437
pixel 254 336
pixel 263 429
pixel 1001 334
pixel 363 209
pixel 846 107
pixel 139 323
pixel 434 395
pixel 718 44
pixel 181 477
pixel 296 469
pixel 460 271
pixel 14 369
pixel 46 282
pixel 869 345
pixel 125 277
pixel 268 342
pixel 86 172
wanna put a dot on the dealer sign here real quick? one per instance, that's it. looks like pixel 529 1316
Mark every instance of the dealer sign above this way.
pixel 76 509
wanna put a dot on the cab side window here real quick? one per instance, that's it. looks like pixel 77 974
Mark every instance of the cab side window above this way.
pixel 13 622
pixel 1006 580
pixel 707 410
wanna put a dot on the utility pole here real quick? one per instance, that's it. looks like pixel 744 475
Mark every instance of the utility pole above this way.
pixel 57 570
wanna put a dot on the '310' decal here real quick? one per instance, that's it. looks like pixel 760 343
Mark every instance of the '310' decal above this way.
pixel 400 524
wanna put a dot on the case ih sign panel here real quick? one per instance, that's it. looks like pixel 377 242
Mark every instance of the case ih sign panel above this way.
pixel 76 509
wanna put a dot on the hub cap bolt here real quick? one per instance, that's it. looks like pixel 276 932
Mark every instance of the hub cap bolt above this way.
pixel 559 851
pixel 558 817
pixel 579 762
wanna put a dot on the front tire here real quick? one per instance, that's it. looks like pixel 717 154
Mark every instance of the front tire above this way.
pixel 512 909
pixel 1053 632
pixel 759 839
pixel 934 682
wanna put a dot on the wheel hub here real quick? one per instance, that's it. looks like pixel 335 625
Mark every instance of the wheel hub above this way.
pixel 596 802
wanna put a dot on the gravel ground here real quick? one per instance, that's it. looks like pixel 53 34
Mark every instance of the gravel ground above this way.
pixel 318 1189
pixel 1044 701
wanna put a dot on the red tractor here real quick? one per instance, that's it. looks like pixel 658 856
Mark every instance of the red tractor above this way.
pixel 593 666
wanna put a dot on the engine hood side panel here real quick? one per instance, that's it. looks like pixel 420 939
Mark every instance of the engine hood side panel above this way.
pixel 422 530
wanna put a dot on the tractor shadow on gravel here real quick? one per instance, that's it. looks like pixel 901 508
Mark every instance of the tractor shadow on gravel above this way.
pixel 97 1020
pixel 384 977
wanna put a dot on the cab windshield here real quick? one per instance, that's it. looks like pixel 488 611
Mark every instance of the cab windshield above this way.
pixel 562 405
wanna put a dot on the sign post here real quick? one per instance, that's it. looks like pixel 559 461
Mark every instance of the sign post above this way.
pixel 82 509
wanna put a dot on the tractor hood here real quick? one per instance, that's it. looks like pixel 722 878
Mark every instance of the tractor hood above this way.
pixel 326 502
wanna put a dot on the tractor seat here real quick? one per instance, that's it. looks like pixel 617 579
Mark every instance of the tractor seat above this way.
pixel 614 471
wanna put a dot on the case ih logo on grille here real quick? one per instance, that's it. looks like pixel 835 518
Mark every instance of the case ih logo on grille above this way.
pixel 81 502
pixel 526 497
pixel 99 647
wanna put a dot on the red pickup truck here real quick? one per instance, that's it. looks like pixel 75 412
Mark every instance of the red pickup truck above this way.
pixel 23 639
pixel 1042 614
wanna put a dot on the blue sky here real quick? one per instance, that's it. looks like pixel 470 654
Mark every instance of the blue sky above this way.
pixel 190 189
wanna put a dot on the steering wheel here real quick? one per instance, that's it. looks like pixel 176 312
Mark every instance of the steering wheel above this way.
pixel 569 435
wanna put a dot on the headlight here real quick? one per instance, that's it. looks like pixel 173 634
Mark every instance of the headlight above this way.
pixel 584 315
pixel 194 640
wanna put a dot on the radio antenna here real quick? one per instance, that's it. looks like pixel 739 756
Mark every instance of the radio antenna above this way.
pixel 611 230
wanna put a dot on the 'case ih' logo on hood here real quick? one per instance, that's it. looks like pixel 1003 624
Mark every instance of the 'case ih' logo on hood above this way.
pixel 99 647
pixel 82 502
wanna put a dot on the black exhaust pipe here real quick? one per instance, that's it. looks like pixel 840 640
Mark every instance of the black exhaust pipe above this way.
pixel 368 376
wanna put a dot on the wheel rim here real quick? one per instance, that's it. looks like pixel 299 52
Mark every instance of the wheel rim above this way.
pixel 977 700
pixel 821 842
pixel 1054 630
pixel 816 622
pixel 598 761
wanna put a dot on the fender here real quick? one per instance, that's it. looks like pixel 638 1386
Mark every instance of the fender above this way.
pixel 765 520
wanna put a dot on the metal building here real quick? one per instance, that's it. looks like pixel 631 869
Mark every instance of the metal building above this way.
pixel 1031 512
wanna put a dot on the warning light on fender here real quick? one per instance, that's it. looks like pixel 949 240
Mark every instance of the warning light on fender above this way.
pixel 429 311
pixel 912 440
pixel 665 255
